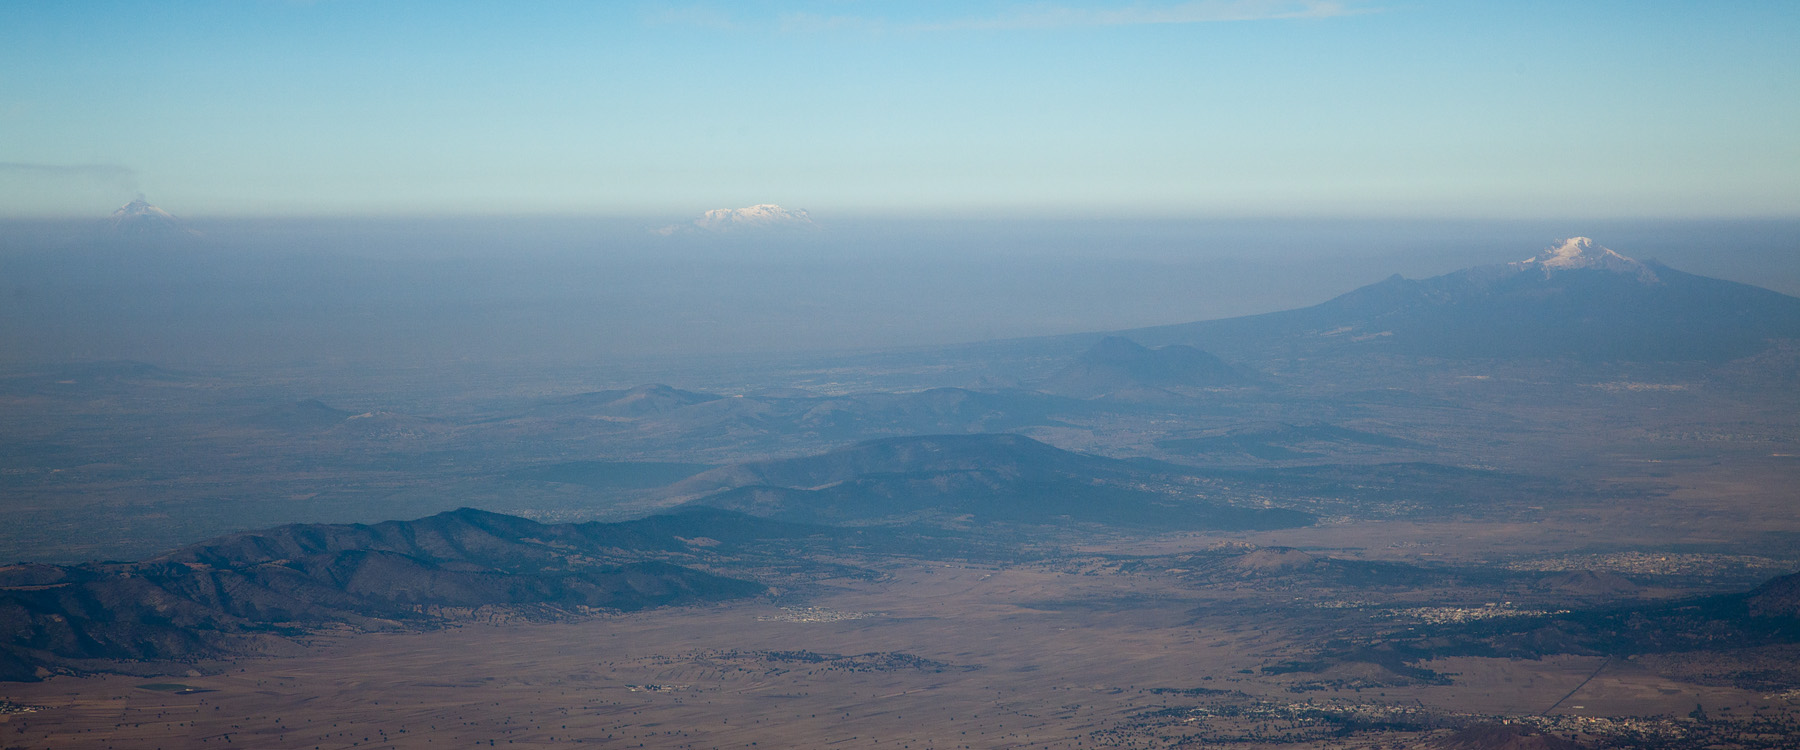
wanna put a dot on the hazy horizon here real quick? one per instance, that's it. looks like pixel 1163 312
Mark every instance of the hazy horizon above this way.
pixel 861 373
pixel 570 290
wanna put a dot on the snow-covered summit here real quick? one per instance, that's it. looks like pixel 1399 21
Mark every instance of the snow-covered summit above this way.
pixel 1581 253
pixel 138 219
pixel 760 216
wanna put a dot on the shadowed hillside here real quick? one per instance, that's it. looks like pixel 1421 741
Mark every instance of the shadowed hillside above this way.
pixel 957 479
pixel 206 598
pixel 1118 366
pixel 1766 615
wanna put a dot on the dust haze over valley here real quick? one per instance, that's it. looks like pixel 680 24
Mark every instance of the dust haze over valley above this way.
pixel 388 293
pixel 1411 512
pixel 1264 374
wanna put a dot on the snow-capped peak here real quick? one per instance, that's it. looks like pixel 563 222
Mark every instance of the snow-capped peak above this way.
pixel 139 218
pixel 140 207
pixel 1581 253
pixel 759 216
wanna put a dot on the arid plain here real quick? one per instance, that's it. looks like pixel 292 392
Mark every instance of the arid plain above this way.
pixel 1086 541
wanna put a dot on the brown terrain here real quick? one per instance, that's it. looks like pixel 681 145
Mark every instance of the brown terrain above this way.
pixel 1116 546
pixel 931 655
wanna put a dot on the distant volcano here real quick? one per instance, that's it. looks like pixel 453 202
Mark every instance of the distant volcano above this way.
pixel 1581 253
pixel 141 220
pixel 1576 300
pixel 760 217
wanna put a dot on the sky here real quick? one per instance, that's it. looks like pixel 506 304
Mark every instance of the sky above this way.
pixel 846 108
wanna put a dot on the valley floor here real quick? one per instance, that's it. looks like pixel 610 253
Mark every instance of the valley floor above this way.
pixel 932 655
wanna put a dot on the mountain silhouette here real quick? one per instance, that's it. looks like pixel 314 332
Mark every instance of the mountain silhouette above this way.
pixel 1576 300
pixel 140 220
pixel 1117 364
pixel 956 480
pixel 234 591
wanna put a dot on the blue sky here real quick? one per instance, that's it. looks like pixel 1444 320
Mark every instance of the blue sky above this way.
pixel 1110 109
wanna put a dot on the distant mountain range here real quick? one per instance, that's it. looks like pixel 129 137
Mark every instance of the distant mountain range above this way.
pixel 959 480
pixel 1118 365
pixel 229 592
pixel 1575 300
pixel 643 400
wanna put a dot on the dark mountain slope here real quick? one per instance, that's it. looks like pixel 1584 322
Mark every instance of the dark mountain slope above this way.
pixel 1767 615
pixel 202 599
pixel 310 415
pixel 643 400
pixel 1779 597
pixel 1117 364
pixel 1001 454
pixel 958 479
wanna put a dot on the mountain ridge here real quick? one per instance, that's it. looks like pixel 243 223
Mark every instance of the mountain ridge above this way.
pixel 956 480
pixel 207 598
pixel 1116 365
pixel 1572 301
